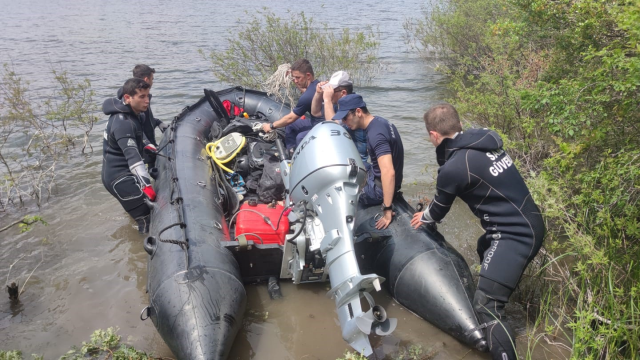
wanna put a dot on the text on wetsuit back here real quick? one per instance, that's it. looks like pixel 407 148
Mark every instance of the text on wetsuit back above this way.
pixel 500 165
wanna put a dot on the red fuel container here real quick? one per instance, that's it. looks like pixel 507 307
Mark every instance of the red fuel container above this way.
pixel 250 222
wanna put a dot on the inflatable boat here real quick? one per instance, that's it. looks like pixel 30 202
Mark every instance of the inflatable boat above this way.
pixel 233 208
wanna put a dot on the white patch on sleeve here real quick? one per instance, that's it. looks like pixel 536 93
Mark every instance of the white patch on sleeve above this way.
pixel 131 142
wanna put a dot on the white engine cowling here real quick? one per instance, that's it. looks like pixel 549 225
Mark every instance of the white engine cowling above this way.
pixel 326 176
pixel 325 156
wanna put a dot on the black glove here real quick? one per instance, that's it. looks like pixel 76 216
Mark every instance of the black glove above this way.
pixel 162 126
pixel 149 154
pixel 432 227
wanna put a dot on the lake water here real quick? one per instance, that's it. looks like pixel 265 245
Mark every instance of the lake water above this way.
pixel 90 267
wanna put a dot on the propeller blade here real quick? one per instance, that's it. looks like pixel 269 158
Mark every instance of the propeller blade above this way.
pixel 386 327
pixel 364 322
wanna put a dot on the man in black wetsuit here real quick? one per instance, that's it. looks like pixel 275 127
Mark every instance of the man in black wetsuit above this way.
pixel 384 176
pixel 147 73
pixel 303 77
pixel 474 167
pixel 123 171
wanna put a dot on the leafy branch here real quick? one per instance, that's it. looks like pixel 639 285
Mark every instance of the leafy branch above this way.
pixel 34 134
pixel 267 41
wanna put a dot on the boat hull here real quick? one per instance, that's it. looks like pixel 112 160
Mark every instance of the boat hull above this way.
pixel 196 293
pixel 197 298
pixel 424 273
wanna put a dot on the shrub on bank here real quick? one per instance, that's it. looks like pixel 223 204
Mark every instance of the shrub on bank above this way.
pixel 559 80
pixel 263 41
pixel 104 344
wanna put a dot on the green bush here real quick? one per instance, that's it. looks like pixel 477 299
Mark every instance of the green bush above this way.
pixel 559 80
pixel 34 134
pixel 266 41
pixel 104 344
pixel 15 355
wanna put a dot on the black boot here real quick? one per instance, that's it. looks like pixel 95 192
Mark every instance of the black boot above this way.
pixel 489 302
pixel 143 224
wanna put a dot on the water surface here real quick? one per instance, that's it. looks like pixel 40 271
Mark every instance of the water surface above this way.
pixel 93 269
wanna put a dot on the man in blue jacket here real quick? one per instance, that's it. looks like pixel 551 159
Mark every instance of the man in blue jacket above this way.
pixel 475 167
pixel 303 77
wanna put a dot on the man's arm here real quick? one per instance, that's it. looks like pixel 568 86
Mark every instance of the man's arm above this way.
pixel 125 137
pixel 439 207
pixel 280 123
pixel 388 180
pixel 328 105
pixel 316 103
pixel 160 125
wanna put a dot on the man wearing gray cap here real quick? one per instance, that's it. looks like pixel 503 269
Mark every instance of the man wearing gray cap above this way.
pixel 384 144
pixel 325 102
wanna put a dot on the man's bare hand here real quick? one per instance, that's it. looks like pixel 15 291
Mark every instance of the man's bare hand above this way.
pixel 327 93
pixel 415 221
pixel 418 219
pixel 266 127
pixel 385 220
pixel 320 87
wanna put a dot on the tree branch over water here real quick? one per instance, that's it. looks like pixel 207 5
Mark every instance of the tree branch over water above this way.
pixel 25 223
pixel 34 134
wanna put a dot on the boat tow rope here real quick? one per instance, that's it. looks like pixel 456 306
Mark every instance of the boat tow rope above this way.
pixel 480 327
pixel 183 244
pixel 175 198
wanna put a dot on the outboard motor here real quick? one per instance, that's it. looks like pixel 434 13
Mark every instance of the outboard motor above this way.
pixel 324 178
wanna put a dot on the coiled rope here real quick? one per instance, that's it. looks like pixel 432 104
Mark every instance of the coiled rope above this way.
pixel 279 84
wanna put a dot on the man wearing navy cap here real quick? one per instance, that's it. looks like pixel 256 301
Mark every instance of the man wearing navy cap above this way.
pixel 384 177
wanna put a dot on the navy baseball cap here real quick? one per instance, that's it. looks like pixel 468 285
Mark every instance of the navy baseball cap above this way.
pixel 347 103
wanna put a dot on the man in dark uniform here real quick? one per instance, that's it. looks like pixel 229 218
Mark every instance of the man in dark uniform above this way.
pixel 147 73
pixel 385 148
pixel 123 171
pixel 303 77
pixel 474 167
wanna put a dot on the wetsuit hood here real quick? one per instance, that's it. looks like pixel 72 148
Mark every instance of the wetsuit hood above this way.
pixel 115 106
pixel 476 139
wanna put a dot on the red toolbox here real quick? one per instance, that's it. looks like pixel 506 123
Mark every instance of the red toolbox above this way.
pixel 250 222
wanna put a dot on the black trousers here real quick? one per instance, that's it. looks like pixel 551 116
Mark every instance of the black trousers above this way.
pixel 126 189
pixel 503 257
